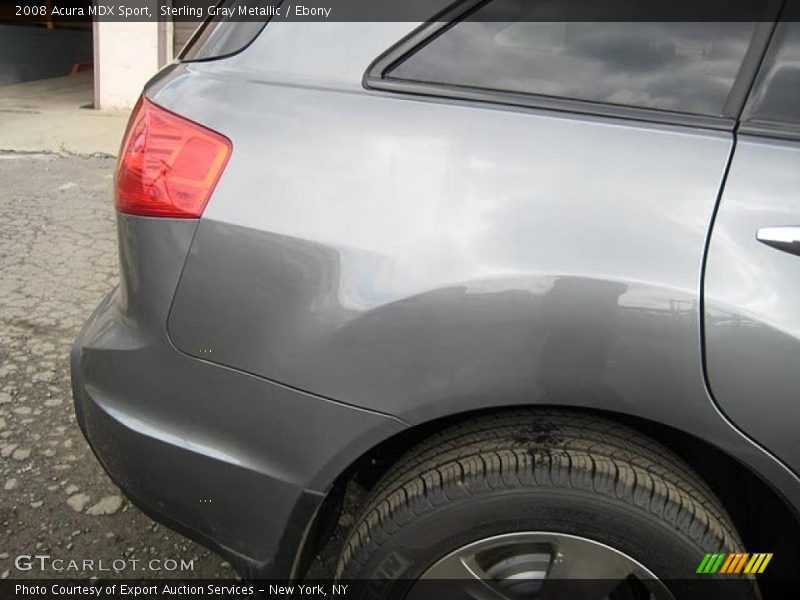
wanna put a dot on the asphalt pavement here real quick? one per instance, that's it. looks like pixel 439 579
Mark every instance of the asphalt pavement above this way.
pixel 58 258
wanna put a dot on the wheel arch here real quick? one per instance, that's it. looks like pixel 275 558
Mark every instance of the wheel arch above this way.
pixel 765 519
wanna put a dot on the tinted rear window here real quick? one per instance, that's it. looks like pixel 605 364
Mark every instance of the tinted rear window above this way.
pixel 776 95
pixel 218 37
pixel 507 45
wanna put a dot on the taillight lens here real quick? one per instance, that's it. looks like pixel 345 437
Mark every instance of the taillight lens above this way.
pixel 168 166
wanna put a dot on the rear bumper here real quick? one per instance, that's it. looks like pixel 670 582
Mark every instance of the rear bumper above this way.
pixel 209 499
pixel 234 461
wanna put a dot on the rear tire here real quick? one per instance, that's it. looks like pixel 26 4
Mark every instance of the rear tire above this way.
pixel 545 471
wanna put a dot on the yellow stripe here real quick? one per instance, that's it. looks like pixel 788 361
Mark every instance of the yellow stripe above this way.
pixel 753 564
pixel 727 563
pixel 765 563
pixel 740 564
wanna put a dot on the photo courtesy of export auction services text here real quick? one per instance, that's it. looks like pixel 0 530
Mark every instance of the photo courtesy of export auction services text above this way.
pixel 102 590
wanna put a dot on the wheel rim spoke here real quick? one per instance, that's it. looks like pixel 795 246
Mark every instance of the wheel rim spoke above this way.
pixel 456 576
pixel 540 565
pixel 574 558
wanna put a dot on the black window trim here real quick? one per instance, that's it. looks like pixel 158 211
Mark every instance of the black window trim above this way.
pixel 375 78
pixel 769 128
pixel 181 56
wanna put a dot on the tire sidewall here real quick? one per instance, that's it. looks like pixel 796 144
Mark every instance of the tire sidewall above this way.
pixel 428 533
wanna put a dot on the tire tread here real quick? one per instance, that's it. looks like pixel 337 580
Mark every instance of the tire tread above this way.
pixel 518 449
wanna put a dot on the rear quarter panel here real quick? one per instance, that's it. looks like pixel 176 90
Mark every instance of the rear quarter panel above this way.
pixel 424 258
pixel 421 258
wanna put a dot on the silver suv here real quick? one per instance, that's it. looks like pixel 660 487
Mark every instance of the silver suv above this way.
pixel 494 298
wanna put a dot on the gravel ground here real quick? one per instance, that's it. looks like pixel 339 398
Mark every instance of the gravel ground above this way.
pixel 58 258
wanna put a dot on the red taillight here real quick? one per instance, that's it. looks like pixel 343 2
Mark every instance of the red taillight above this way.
pixel 168 166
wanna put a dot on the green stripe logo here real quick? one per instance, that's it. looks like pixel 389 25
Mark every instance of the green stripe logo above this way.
pixel 711 563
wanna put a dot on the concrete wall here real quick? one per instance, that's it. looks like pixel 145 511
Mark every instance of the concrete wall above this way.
pixel 28 53
pixel 126 55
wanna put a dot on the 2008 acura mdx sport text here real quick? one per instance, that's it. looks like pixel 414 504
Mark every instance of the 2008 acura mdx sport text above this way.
pixel 488 297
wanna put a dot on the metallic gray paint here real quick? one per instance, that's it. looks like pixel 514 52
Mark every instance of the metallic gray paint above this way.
pixel 413 279
pixel 172 430
pixel 475 256
pixel 751 293
pixel 374 260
